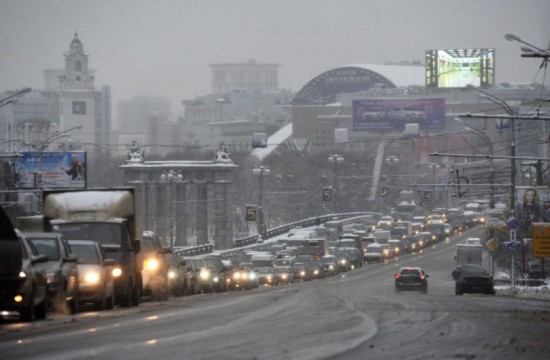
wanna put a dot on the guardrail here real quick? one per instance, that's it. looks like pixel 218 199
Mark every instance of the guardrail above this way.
pixel 194 250
pixel 253 239
pixel 521 282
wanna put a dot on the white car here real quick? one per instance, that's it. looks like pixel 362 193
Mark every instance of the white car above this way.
pixel 409 115
pixel 374 114
pixel 96 284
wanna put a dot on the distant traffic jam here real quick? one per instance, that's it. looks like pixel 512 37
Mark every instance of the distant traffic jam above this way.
pixel 77 264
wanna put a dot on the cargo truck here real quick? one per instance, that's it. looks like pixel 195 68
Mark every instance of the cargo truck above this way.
pixel 468 254
pixel 112 217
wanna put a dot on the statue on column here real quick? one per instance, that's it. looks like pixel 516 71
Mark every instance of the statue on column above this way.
pixel 222 155
pixel 134 155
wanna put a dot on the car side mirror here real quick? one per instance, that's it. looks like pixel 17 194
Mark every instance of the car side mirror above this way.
pixel 136 245
pixel 39 259
pixel 71 258
pixel 109 262
pixel 166 250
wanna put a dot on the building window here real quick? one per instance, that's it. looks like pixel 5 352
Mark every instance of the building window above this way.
pixel 77 66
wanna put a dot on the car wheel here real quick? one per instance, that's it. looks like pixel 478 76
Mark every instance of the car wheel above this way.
pixel 40 310
pixel 27 314
pixel 135 295
pixel 110 302
pixel 125 299
pixel 100 304
pixel 73 304
pixel 458 292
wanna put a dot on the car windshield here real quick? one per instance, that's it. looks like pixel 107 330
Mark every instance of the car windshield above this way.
pixel 280 270
pixel 299 266
pixel 474 273
pixel 147 244
pixel 327 260
pixel 86 254
pixel 410 272
pixel 282 262
pixel 374 249
pixel 48 247
pixel 264 270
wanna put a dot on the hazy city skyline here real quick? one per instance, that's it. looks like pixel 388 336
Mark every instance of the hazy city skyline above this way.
pixel 164 48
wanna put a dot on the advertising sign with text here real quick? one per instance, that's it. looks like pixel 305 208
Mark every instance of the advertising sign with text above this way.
pixel 51 170
pixel 394 114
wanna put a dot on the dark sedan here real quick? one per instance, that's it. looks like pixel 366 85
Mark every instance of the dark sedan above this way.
pixel 411 278
pixel 23 286
pixel 474 281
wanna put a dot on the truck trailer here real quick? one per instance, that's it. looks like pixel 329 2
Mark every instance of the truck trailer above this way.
pixel 109 216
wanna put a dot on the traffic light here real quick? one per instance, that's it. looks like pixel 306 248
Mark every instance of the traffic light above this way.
pixel 327 194
pixel 250 213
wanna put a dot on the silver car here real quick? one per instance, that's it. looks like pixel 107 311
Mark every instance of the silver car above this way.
pixel 96 284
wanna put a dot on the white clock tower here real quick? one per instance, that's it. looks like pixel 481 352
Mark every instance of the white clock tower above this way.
pixel 76 94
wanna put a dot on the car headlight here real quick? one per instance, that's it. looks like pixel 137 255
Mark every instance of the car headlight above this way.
pixel 343 261
pixel 252 276
pixel 22 275
pixel 117 271
pixel 91 278
pixel 331 267
pixel 396 249
pixel 51 277
pixel 237 275
pixel 315 272
pixel 151 264
pixel 216 279
pixel 302 273
pixel 172 274
pixel 204 274
pixel 284 276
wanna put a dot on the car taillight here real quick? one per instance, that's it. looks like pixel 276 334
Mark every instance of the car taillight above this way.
pixel 397 276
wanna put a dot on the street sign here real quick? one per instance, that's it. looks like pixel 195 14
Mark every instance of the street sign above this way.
pixel 251 213
pixel 491 244
pixel 327 194
pixel 513 223
pixel 512 244
pixel 541 240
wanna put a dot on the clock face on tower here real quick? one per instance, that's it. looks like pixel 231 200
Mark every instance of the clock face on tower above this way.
pixel 79 107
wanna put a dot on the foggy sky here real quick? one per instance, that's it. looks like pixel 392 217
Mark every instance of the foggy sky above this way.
pixel 164 47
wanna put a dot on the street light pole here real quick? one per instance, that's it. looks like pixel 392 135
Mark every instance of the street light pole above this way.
pixel 336 159
pixel 261 171
pixel 170 177
pixel 512 114
pixel 490 147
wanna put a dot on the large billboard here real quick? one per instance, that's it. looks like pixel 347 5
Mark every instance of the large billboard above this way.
pixel 394 114
pixel 456 68
pixel 532 205
pixel 483 174
pixel 34 170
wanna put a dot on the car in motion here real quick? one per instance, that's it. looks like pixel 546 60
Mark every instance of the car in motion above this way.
pixel 96 285
pixel 411 279
pixel 23 286
pixel 473 280
pixel 61 269
pixel 460 268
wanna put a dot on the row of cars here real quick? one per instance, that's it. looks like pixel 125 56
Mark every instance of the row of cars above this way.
pixel 43 271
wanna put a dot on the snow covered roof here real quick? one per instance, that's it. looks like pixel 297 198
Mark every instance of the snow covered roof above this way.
pixel 400 75
pixel 273 142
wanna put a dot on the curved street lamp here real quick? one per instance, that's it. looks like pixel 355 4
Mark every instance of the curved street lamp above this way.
pixel 512 114
pixel 489 144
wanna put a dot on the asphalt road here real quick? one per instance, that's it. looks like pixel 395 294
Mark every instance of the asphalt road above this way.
pixel 356 315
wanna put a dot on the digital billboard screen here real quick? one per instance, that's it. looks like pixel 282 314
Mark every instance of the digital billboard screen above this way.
pixel 394 114
pixel 456 68
pixel 56 169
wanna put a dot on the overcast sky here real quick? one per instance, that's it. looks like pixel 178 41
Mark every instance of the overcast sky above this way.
pixel 164 47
